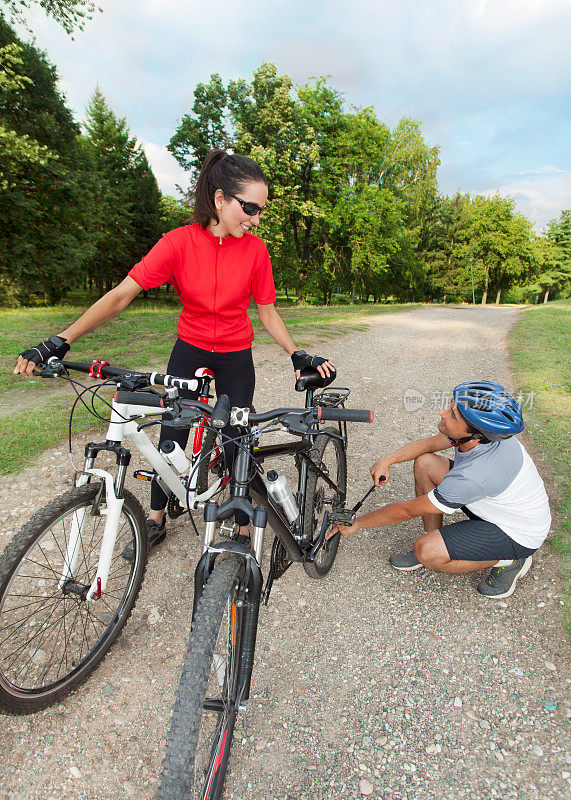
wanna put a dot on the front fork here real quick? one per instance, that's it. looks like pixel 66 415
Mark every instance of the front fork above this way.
pixel 113 506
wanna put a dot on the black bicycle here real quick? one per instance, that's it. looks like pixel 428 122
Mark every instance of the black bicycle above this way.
pixel 215 681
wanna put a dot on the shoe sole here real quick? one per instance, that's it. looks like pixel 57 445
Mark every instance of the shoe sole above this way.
pixel 525 569
pixel 406 569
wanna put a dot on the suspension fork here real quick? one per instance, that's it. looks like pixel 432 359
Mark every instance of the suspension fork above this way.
pixel 249 593
pixel 114 499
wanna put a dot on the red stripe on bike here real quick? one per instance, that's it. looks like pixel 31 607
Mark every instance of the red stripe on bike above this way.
pixel 216 765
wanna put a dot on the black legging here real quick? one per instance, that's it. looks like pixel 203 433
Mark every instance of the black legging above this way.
pixel 234 376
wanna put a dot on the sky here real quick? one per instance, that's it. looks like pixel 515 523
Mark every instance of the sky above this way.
pixel 489 80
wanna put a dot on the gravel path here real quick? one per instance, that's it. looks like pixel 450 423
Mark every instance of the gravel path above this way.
pixel 368 683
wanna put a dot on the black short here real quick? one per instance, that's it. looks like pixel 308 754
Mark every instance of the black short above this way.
pixel 476 539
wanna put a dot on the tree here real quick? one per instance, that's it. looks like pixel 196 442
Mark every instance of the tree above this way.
pixel 70 14
pixel 559 233
pixel 17 151
pixel 124 206
pixel 43 245
pixel 205 128
pixel 446 273
pixel 272 128
pixel 497 242
pixel 174 213
pixel 552 259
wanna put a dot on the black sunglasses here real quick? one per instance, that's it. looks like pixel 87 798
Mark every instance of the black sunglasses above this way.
pixel 251 209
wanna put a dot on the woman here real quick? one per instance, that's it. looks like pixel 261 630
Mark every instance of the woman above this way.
pixel 215 264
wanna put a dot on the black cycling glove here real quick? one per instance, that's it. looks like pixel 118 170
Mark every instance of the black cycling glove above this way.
pixel 42 352
pixel 301 360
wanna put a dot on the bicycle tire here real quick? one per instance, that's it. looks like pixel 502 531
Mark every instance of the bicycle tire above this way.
pixel 210 468
pixel 51 639
pixel 329 453
pixel 196 760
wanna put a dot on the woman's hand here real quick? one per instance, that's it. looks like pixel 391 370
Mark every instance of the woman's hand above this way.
pixel 380 471
pixel 55 346
pixel 301 360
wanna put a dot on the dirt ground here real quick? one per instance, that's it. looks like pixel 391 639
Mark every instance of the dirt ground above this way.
pixel 367 683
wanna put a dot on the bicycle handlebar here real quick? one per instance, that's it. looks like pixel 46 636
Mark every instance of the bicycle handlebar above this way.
pixel 344 414
pixel 98 369
pixel 141 399
pixel 133 379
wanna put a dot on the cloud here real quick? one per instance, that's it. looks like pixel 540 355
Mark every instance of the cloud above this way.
pixel 540 198
pixel 490 80
pixel 167 170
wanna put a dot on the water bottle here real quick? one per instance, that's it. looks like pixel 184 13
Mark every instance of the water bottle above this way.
pixel 278 488
pixel 174 454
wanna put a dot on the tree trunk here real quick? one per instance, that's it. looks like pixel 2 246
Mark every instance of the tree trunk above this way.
pixel 498 297
pixel 486 283
pixel 445 296
pixel 546 296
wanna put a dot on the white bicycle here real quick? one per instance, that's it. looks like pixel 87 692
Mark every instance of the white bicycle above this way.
pixel 70 578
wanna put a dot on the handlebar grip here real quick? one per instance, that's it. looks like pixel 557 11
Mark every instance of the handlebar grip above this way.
pixel 221 412
pixel 140 399
pixel 344 414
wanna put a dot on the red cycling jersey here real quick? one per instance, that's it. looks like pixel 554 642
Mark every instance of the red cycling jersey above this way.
pixel 214 278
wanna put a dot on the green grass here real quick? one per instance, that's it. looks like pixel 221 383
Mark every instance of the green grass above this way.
pixel 539 346
pixel 141 337
pixel 24 434
pixel 144 336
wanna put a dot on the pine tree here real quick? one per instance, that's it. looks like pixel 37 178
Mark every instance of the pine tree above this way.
pixel 125 200
pixel 43 245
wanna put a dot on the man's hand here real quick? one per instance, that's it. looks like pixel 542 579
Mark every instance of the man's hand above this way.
pixel 344 530
pixel 380 471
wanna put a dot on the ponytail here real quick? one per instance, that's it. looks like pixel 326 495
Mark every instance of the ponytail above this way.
pixel 225 171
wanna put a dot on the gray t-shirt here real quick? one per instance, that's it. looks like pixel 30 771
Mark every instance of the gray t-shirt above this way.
pixel 499 483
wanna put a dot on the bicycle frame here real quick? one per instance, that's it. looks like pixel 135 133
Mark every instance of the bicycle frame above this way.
pixel 123 424
pixel 289 534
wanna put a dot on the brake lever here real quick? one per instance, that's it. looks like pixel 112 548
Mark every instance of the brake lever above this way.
pixel 295 424
pixel 54 369
pixel 185 419
pixel 133 383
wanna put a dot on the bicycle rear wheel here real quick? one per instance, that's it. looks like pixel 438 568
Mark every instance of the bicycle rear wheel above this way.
pixel 51 638
pixel 205 708
pixel 330 456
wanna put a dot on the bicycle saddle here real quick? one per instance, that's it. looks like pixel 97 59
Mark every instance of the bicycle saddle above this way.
pixel 311 379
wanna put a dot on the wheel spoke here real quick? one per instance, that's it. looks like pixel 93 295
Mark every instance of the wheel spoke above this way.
pixel 51 638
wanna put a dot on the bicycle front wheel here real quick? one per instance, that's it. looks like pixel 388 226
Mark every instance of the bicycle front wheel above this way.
pixel 330 456
pixel 51 637
pixel 204 713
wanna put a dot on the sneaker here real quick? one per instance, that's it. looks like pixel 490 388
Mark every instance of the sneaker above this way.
pixel 156 532
pixel 405 561
pixel 502 580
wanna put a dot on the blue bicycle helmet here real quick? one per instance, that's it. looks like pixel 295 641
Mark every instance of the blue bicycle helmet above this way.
pixel 489 409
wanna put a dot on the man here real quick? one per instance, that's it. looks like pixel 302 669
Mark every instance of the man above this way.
pixel 492 479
